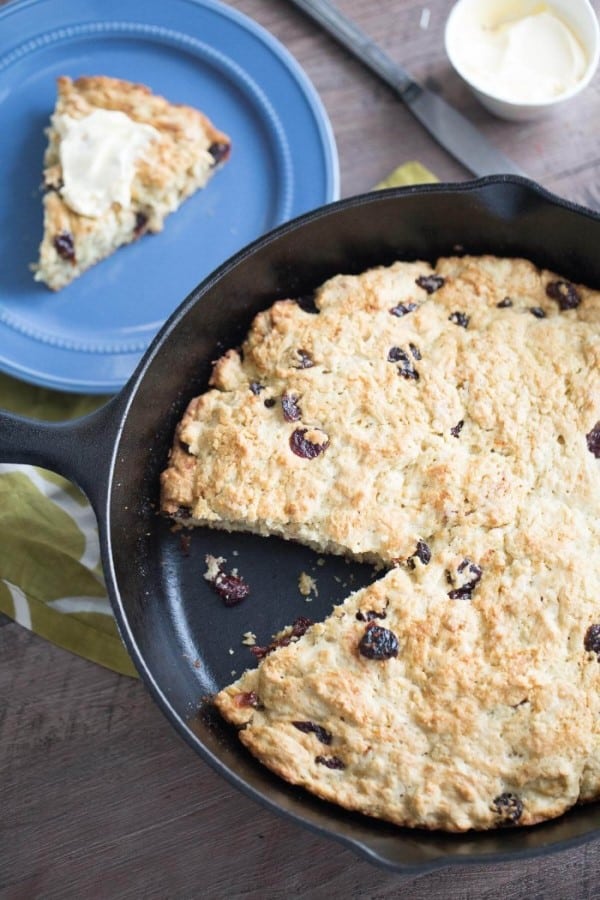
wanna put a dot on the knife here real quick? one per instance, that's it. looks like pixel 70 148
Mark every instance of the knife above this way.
pixel 450 129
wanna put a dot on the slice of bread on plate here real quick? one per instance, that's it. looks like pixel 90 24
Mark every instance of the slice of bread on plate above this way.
pixel 119 160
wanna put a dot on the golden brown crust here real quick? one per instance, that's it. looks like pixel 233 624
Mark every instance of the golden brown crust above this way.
pixel 392 452
pixel 172 168
pixel 486 709
pixel 80 97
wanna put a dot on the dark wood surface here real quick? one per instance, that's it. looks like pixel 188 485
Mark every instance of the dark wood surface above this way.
pixel 99 798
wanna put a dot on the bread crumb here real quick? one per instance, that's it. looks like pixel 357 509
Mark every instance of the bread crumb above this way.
pixel 307 585
pixel 213 566
pixel 229 586
pixel 231 651
pixel 249 639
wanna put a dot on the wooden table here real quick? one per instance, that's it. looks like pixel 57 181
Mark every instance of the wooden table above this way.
pixel 98 796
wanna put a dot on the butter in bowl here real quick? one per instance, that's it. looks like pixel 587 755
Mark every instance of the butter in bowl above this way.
pixel 523 58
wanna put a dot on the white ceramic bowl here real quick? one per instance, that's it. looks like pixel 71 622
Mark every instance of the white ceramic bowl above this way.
pixel 578 15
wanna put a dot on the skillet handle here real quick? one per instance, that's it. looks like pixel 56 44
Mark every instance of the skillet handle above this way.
pixel 80 449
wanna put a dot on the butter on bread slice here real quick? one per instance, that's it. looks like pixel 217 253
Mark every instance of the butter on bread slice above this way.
pixel 182 151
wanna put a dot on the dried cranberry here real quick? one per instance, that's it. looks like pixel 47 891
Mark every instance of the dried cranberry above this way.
pixel 537 311
pixel 270 402
pixel 141 220
pixel 332 762
pixel 303 447
pixel 403 309
pixel 456 430
pixel 247 698
pixel 305 358
pixel 465 590
pixel 219 151
pixel 406 368
pixel 64 246
pixel 408 371
pixel 370 615
pixel 289 405
pixel 415 351
pixel 565 294
pixel 593 440
pixel 430 283
pixel 504 304
pixel 509 807
pixel 231 588
pixel 591 641
pixel 299 627
pixel 459 318
pixel 423 552
pixel 319 732
pixel 378 643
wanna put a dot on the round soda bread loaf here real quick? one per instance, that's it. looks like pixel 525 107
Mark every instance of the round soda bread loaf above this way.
pixel 443 422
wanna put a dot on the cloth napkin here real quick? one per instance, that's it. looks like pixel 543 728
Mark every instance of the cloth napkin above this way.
pixel 50 573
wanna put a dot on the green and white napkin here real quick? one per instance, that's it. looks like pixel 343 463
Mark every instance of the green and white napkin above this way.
pixel 50 575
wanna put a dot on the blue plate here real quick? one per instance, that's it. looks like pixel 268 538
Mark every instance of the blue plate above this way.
pixel 89 336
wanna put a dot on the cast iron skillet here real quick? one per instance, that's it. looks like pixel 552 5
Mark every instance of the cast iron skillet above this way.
pixel 176 629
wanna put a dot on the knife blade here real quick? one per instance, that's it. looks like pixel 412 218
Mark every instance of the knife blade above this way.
pixel 450 128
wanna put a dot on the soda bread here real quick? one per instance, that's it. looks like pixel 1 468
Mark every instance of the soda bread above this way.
pixel 180 151
pixel 443 422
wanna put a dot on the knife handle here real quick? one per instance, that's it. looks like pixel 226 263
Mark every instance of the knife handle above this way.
pixel 450 128
pixel 350 36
